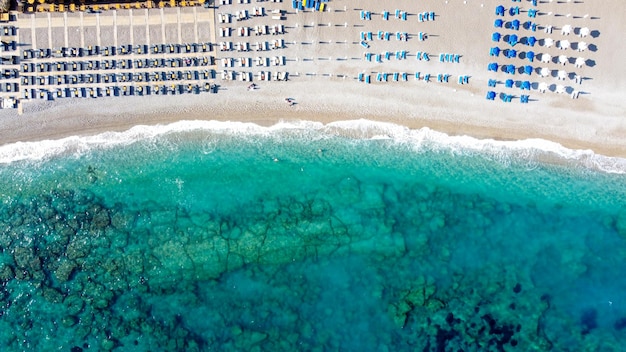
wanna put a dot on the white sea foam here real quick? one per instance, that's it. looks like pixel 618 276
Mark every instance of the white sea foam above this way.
pixel 420 139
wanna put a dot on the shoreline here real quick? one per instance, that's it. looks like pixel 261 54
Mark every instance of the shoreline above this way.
pixel 266 107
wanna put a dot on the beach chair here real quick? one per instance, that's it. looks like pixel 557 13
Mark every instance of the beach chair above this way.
pixel 457 58
pixel 404 77
pixel 397 13
pixel 418 55
pixel 385 76
pixel 439 77
pixel 362 35
pixel 441 57
pixel 420 17
pixel 404 15
pixel 420 36
pixel 387 55
pixel 532 13
pixel 432 15
pixel 379 77
pixel 387 36
pixel 417 76
pixel 396 75
pixel 381 35
pixel 367 79
pixel 426 57
pixel 361 77
pixel 427 77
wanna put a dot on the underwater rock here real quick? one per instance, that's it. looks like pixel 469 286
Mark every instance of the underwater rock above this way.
pixel 121 220
pixel 24 258
pixel 6 273
pixel 74 304
pixel 51 295
pixel 69 320
pixel 77 248
pixel 65 270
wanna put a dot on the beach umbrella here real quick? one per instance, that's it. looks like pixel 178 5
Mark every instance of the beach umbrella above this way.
pixel 509 83
pixel 531 41
pixel 543 86
pixel 566 30
pixel 498 23
pixel 515 25
pixel 544 72
pixel 561 74
pixel 491 95
pixel 493 67
pixel 582 46
pixel 500 10
pixel 511 54
pixel 548 42
pixel 525 85
pixel 562 59
pixel 528 70
pixel 584 32
pixel 580 62
pixel 546 58
pixel 510 69
pixel 560 89
pixel 496 36
pixel 564 44
pixel 513 39
pixel 495 51
pixel 530 56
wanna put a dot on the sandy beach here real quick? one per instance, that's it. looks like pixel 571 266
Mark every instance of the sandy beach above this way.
pixel 324 87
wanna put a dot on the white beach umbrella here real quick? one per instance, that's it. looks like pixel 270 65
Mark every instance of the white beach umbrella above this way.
pixel 580 62
pixel 562 74
pixel 546 58
pixel 543 86
pixel 560 89
pixel 545 72
pixel 566 30
pixel 564 44
pixel 562 59
pixel 582 46
pixel 584 32
pixel 548 42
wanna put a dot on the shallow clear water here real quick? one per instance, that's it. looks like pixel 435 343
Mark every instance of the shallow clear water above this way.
pixel 310 238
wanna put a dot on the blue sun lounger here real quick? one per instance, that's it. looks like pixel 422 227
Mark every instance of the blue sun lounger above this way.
pixel 420 17
pixel 397 13
pixel 418 55
pixel 417 76
pixel 361 77
pixel 426 57
pixel 370 36
pixel 294 4
pixel 379 58
pixel 403 15
pixel 387 35
pixel 420 36
pixel 404 76
pixel 532 13
pixel 441 57
pixel 367 79
pixel 385 76
pixel 381 35
pixel 439 77
pixel 396 75
pixel 368 57
pixel 432 15
pixel 387 55
pixel 364 44
pixel 379 77
pixel 386 15
pixel 398 34
pixel 427 77
pixel 362 35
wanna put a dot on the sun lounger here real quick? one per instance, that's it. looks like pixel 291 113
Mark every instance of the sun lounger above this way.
pixel 404 76
pixel 386 15
pixel 396 75
pixel 417 76
pixel 418 55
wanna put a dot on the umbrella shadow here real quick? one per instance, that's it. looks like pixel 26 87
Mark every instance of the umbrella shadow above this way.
pixel 590 62
pixel 595 33
pixel 593 48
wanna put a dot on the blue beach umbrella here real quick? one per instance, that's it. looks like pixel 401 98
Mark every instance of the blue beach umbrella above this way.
pixel 496 36
pixel 498 23
pixel 495 51
pixel 530 56
pixel 531 41
pixel 509 83
pixel 515 25
pixel 525 85
pixel 491 95
pixel 528 70
pixel 513 39
pixel 493 67
pixel 510 69
pixel 511 54
pixel 500 10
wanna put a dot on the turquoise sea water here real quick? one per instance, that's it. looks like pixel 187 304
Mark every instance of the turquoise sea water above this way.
pixel 352 237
